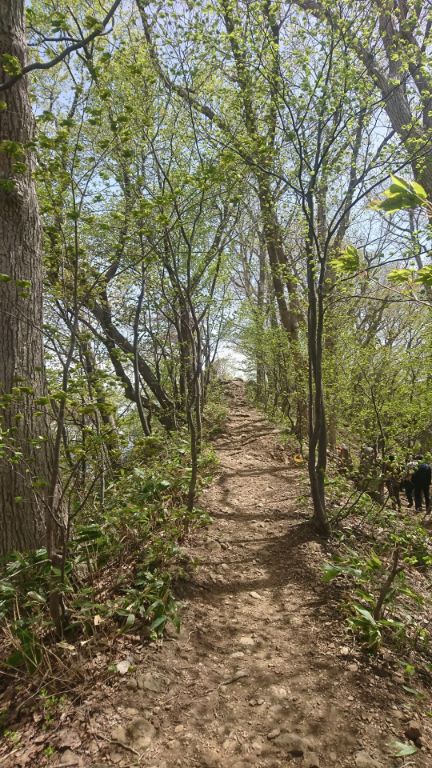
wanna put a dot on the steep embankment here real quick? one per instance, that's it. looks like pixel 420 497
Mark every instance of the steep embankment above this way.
pixel 261 674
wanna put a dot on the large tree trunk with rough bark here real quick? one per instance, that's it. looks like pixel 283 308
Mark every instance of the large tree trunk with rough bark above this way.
pixel 25 456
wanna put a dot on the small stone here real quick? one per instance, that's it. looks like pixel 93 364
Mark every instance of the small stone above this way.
pixel 132 684
pixel 171 632
pixel 179 728
pixel 210 759
pixel 123 667
pixel 311 760
pixel 273 734
pixel 333 756
pixel 118 733
pixel 150 682
pixel 413 731
pixel 175 746
pixel 229 745
pixel 257 746
pixel 67 739
pixel 278 692
pixel 70 760
pixel 364 760
pixel 131 711
pixel 246 640
pixel 255 595
pixel 353 667
pixel 292 743
pixel 141 732
pixel 238 675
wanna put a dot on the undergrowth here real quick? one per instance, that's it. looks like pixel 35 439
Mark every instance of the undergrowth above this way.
pixel 381 562
pixel 119 569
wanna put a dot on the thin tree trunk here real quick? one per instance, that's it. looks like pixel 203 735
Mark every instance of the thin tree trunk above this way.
pixel 317 458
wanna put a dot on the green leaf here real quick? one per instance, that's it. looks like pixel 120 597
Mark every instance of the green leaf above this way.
pixel 400 276
pixel 401 749
pixel 347 261
pixel 366 614
pixel 419 190
pixel 15 660
pixel 374 560
pixel 401 195
pixel 399 184
pixel 332 571
pixel 424 275
pixel 130 621
pixel 390 204
pixel 10 64
pixel 158 622
pixel 6 589
pixel 36 597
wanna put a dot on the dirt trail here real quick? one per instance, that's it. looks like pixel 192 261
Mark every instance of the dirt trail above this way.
pixel 261 674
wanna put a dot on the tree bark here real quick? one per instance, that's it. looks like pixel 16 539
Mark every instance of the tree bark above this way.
pixel 26 458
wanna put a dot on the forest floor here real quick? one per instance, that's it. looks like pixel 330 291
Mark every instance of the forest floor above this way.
pixel 262 673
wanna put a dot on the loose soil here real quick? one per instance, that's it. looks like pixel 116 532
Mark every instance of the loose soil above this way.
pixel 262 674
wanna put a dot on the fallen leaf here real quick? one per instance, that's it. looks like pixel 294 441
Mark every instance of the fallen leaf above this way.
pixel 401 749
pixel 67 647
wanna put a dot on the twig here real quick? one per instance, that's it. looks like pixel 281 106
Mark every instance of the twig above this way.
pixel 119 744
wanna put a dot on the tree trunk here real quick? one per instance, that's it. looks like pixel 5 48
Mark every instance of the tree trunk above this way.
pixel 317 457
pixel 25 459
pixel 289 312
pixel 115 338
pixel 260 363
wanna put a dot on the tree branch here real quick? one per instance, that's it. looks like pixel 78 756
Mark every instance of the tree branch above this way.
pixel 10 81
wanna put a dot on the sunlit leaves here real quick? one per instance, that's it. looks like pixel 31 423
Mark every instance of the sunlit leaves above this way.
pixel 401 195
pixel 400 276
pixel 421 276
pixel 347 261
pixel 11 65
